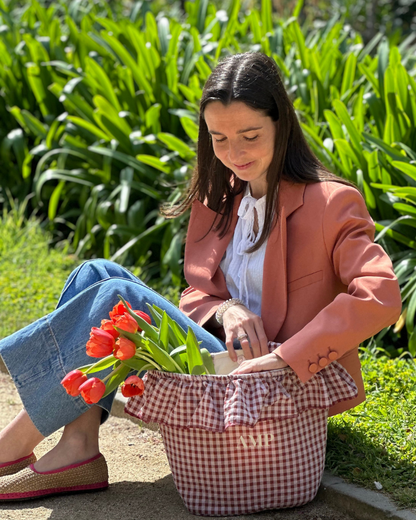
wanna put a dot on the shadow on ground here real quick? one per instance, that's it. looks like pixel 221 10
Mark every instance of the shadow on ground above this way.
pixel 137 500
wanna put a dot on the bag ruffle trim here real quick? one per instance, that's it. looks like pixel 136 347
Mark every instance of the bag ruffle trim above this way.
pixel 214 403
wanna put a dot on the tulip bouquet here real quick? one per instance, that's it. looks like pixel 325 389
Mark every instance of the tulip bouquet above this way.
pixel 129 342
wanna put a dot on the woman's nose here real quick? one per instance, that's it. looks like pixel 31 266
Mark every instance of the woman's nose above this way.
pixel 235 152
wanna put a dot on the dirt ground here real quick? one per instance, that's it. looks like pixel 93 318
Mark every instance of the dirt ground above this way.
pixel 141 485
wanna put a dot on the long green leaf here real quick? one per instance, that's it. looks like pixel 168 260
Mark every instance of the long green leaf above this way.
pixel 207 359
pixel 175 144
pixel 192 350
pixel 135 364
pixel 164 332
pixel 114 382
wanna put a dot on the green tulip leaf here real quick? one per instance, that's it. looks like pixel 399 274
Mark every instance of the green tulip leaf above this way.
pixel 192 350
pixel 207 359
pixel 198 370
pixel 107 362
pixel 116 379
pixel 164 332
pixel 135 364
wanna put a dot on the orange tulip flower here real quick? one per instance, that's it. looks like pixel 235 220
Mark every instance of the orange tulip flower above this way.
pixel 100 344
pixel 92 390
pixel 125 349
pixel 72 381
pixel 133 385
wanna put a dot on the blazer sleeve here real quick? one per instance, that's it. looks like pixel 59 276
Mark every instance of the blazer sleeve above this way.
pixel 372 300
pixel 198 305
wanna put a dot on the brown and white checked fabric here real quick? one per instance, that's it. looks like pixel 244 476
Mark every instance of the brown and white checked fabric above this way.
pixel 276 464
pixel 238 444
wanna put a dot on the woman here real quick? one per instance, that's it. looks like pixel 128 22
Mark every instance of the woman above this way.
pixel 278 249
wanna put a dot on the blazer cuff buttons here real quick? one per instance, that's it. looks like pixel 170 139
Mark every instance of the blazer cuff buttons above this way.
pixel 323 361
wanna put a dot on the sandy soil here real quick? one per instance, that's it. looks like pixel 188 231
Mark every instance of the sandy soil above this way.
pixel 141 485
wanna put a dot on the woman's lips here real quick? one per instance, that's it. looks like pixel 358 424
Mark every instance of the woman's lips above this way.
pixel 243 166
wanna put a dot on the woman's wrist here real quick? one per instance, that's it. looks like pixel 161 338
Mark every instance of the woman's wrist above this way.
pixel 281 361
pixel 225 306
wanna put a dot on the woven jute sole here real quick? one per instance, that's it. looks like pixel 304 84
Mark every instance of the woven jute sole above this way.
pixel 14 467
pixel 90 475
pixel 54 493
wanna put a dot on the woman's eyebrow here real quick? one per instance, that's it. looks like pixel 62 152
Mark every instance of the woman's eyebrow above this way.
pixel 250 129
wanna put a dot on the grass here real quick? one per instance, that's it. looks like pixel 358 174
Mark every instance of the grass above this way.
pixel 375 442
pixel 31 274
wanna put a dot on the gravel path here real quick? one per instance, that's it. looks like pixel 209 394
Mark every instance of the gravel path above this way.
pixel 141 485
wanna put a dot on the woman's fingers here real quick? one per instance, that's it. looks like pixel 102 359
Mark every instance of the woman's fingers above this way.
pixel 267 362
pixel 244 342
pixel 256 336
pixel 229 343
pixel 253 345
pixel 245 326
pixel 245 345
pixel 262 338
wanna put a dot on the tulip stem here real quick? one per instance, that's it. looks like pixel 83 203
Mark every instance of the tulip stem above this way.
pixel 113 372
pixel 140 355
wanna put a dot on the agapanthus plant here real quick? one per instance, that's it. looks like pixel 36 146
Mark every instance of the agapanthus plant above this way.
pixel 128 342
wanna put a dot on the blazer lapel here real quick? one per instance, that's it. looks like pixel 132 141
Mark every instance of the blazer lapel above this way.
pixel 274 291
pixel 204 250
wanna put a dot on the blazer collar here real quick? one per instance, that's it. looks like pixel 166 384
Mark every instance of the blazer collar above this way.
pixel 204 251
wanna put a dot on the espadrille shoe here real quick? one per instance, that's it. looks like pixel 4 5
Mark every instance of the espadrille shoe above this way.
pixel 90 475
pixel 10 468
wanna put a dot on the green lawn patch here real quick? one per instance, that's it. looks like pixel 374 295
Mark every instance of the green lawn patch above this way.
pixel 31 274
pixel 376 441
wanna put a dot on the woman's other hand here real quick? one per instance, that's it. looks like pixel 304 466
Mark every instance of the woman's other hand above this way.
pixel 242 324
pixel 267 362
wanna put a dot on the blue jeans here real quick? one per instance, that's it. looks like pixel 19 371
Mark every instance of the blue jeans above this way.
pixel 41 354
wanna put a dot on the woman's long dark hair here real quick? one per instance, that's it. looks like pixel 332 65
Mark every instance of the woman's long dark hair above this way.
pixel 254 79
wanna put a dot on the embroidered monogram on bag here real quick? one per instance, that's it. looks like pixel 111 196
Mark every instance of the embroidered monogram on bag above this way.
pixel 258 442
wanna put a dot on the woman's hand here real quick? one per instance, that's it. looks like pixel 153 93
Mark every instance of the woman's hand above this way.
pixel 267 362
pixel 239 322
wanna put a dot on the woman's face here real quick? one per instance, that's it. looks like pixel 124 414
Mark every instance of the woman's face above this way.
pixel 243 140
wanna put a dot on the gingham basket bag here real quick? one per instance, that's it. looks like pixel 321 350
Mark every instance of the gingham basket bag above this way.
pixel 238 444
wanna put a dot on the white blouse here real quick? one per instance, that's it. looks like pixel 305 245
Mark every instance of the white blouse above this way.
pixel 244 271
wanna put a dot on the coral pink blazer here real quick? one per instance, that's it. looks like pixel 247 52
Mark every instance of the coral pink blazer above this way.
pixel 326 286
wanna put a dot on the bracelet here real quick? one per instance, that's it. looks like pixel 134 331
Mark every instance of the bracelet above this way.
pixel 226 305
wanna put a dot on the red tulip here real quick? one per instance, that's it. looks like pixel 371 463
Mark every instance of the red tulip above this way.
pixel 144 316
pixel 118 310
pixel 125 349
pixel 127 323
pixel 72 381
pixel 133 385
pixel 92 390
pixel 108 326
pixel 100 344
